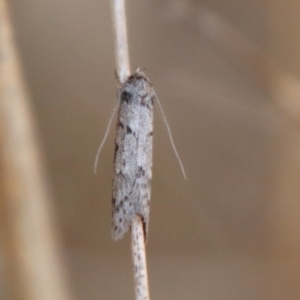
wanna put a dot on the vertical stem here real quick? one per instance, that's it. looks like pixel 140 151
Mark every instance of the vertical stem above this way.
pixel 121 43
pixel 32 265
pixel 139 260
pixel 137 232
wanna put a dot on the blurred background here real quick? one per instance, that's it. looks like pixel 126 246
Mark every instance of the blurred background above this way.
pixel 227 74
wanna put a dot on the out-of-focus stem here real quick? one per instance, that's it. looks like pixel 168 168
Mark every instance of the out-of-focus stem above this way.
pixel 28 243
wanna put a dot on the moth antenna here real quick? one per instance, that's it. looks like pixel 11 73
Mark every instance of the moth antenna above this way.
pixel 171 139
pixel 104 139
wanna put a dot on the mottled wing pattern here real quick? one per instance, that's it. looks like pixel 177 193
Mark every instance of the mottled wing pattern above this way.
pixel 133 154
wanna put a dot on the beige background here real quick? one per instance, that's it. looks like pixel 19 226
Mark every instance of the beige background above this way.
pixel 226 74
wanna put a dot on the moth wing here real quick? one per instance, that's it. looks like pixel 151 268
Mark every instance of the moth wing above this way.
pixel 133 155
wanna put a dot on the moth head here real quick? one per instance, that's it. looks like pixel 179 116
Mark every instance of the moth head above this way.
pixel 138 74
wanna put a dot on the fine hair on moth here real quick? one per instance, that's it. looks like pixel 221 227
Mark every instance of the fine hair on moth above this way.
pixel 133 153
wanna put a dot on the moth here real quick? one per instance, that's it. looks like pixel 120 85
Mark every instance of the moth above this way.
pixel 133 154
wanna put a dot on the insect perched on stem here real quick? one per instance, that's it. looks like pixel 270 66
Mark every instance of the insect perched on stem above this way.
pixel 133 153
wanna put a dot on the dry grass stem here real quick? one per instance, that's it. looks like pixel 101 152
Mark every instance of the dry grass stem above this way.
pixel 123 71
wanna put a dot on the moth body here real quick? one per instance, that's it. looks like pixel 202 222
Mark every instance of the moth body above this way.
pixel 133 154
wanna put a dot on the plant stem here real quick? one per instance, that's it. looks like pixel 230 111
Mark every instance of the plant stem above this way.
pixel 121 43
pixel 139 259
pixel 28 239
pixel 137 232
